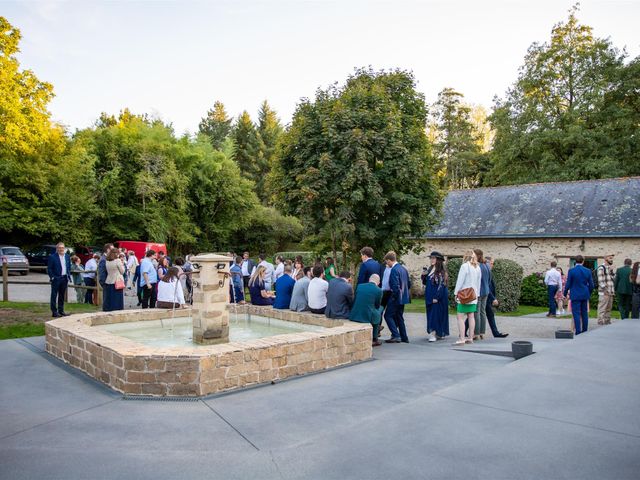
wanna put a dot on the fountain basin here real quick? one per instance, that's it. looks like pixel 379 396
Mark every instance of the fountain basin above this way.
pixel 134 368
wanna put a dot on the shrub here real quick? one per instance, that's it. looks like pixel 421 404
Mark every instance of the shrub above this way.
pixel 453 267
pixel 507 275
pixel 534 291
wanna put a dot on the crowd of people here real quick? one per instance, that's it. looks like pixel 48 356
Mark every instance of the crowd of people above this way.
pixel 381 290
pixel 156 281
pixel 576 287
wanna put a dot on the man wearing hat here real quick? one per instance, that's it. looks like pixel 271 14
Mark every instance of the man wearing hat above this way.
pixel 606 290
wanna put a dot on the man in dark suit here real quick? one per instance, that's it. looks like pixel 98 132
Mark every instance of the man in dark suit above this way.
pixel 399 283
pixel 102 270
pixel 246 267
pixel 59 271
pixel 492 301
pixel 622 286
pixel 339 297
pixel 369 266
pixel 579 285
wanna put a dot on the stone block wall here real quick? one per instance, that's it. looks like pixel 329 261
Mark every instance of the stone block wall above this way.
pixel 136 369
pixel 533 254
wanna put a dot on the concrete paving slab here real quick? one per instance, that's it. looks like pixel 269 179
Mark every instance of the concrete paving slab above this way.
pixel 34 390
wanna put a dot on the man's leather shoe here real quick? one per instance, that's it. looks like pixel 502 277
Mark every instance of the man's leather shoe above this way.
pixel 55 315
pixel 392 340
pixel 502 335
pixel 64 314
pixel 405 341
pixel 377 343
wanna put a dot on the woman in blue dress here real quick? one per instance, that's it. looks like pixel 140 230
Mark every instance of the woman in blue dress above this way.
pixel 436 297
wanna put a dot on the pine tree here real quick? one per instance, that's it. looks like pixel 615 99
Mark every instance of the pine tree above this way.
pixel 247 146
pixel 269 131
pixel 216 125
pixel 457 145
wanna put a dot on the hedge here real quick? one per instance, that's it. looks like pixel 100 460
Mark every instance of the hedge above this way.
pixel 507 275
pixel 534 292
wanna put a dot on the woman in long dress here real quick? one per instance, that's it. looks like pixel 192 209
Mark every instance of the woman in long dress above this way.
pixel 436 297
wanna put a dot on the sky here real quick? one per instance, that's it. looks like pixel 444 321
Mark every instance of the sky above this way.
pixel 173 59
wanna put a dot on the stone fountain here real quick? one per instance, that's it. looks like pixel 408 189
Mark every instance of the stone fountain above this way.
pixel 210 298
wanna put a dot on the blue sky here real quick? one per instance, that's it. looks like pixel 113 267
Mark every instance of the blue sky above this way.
pixel 173 59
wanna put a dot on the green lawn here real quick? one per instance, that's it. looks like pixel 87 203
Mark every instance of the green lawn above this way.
pixel 26 319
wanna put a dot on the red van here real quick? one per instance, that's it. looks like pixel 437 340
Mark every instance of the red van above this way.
pixel 140 248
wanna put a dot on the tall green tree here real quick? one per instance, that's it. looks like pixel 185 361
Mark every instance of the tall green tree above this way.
pixel 246 147
pixel 550 126
pixel 45 189
pixel 269 131
pixel 355 165
pixel 457 145
pixel 216 125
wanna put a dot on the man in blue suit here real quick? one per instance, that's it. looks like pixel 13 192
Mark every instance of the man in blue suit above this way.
pixel 59 271
pixel 369 266
pixel 579 285
pixel 399 283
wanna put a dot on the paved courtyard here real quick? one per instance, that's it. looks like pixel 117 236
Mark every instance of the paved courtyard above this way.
pixel 418 410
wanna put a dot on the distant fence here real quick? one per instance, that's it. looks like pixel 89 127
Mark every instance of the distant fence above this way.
pixel 97 299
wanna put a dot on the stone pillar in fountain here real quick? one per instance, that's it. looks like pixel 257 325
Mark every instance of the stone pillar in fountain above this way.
pixel 210 298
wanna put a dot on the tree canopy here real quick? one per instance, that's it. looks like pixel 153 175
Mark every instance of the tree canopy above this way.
pixel 356 167
pixel 556 120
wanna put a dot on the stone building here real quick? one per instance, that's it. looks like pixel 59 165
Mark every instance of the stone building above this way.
pixel 537 223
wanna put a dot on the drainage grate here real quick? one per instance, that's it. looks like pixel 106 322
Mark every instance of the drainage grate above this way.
pixel 149 398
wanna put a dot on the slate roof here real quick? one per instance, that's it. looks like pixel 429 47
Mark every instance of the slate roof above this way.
pixel 590 208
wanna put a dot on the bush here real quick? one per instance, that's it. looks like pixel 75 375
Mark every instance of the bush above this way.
pixel 534 291
pixel 453 267
pixel 507 275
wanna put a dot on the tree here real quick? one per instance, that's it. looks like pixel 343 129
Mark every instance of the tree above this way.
pixel 269 131
pixel 216 125
pixel 39 193
pixel 550 126
pixel 355 166
pixel 247 147
pixel 457 145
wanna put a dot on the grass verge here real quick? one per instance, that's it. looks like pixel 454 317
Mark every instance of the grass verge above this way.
pixel 26 319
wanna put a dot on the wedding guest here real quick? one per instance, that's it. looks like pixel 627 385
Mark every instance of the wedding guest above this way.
pixel 367 306
pixel 59 271
pixel 400 284
pixel 339 297
pixel 170 292
pixel 258 292
pixel 330 270
pixel 114 283
pixel 317 292
pixel 90 278
pixel 635 290
pixel 579 285
pixel 284 289
pixel 467 291
pixel 279 271
pixel 436 297
pixel 300 293
pixel 237 286
pixel 76 274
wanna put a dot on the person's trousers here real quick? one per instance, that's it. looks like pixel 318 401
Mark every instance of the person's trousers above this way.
pixel 389 317
pixel 79 293
pixel 319 311
pixel 635 305
pixel 552 290
pixel 88 294
pixel 605 304
pixel 580 311
pixel 624 305
pixel 491 319
pixel 58 289
pixel 394 315
pixel 481 316
pixel 376 331
pixel 237 295
pixel 149 296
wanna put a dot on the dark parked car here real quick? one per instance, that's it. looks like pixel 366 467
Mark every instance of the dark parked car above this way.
pixel 39 256
pixel 16 261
